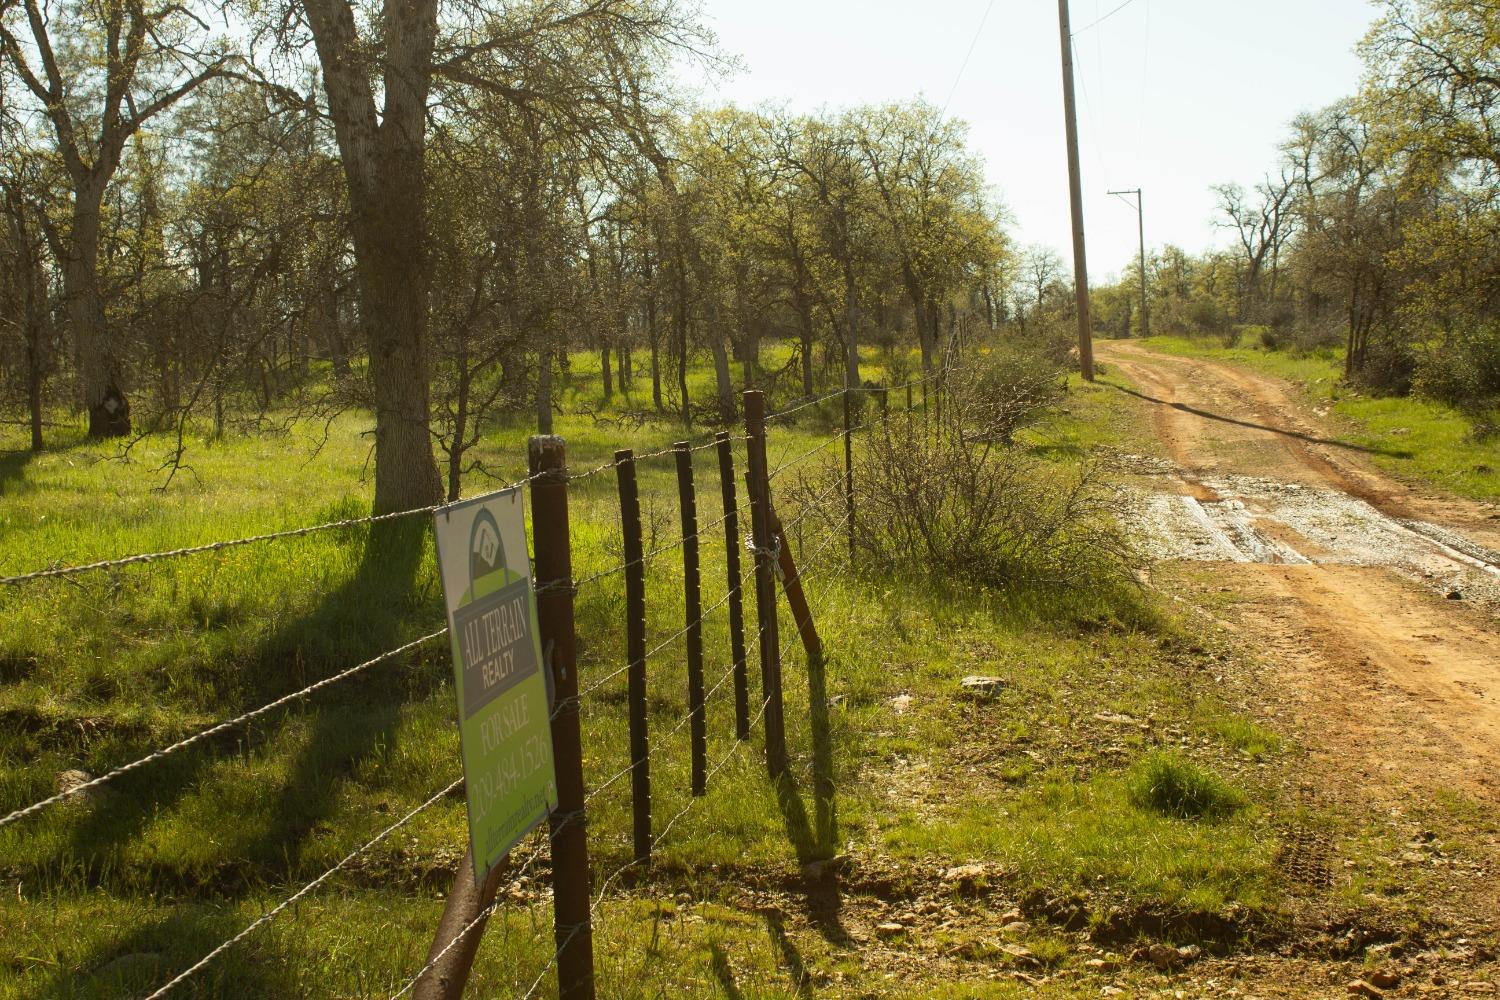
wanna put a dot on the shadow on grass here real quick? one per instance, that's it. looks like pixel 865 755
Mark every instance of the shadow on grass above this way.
pixel 367 616
pixel 788 955
pixel 724 973
pixel 1297 435
pixel 13 471
pixel 147 955
pixel 817 839
pixel 375 610
pixel 378 609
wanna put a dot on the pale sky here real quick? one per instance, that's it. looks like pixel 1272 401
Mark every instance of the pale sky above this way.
pixel 1174 95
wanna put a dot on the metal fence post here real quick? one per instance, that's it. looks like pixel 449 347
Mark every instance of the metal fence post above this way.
pixel 692 604
pixel 635 653
pixel 765 582
pixel 570 857
pixel 736 593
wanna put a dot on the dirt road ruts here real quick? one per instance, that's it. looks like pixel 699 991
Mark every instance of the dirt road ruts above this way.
pixel 1377 601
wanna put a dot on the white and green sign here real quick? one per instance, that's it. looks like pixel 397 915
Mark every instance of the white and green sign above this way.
pixel 503 707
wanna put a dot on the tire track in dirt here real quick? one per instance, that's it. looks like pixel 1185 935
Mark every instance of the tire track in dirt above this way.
pixel 1395 685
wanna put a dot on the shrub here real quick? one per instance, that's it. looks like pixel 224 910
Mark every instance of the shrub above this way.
pixel 1389 366
pixel 1465 373
pixel 1167 783
pixel 947 495
pixel 1000 392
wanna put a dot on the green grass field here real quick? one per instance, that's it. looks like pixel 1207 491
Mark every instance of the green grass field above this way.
pixel 1415 438
pixel 116 894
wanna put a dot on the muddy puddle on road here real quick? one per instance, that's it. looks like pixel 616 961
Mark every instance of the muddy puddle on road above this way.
pixel 1245 519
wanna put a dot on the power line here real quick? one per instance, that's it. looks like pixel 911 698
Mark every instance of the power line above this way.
pixel 967 55
pixel 1100 20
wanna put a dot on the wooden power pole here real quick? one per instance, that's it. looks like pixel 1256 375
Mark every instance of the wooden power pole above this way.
pixel 1140 225
pixel 1075 190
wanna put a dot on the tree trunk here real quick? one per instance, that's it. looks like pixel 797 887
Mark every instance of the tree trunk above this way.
pixel 383 155
pixel 680 320
pixel 33 293
pixel 722 376
pixel 653 337
pixel 607 377
pixel 98 369
pixel 851 342
pixel 393 293
pixel 460 428
pixel 805 333
pixel 623 368
pixel 544 392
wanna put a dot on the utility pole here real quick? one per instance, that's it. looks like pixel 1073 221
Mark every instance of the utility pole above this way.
pixel 1075 190
pixel 1140 222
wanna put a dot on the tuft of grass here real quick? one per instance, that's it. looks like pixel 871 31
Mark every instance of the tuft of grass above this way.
pixel 1239 733
pixel 1169 784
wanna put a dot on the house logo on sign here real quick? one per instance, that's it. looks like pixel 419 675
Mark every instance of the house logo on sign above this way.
pixel 486 550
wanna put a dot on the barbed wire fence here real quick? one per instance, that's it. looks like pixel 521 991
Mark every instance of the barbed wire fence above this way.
pixel 770 560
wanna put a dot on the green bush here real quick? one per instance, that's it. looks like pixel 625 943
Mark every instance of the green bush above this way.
pixel 1169 784
pixel 948 492
pixel 1389 366
pixel 1464 372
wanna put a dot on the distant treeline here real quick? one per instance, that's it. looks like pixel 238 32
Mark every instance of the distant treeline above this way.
pixel 426 214
pixel 1379 228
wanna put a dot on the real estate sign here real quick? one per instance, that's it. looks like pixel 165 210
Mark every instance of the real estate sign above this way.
pixel 505 731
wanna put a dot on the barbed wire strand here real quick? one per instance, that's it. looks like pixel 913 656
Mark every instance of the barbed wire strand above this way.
pixel 617 462
pixel 483 915
pixel 646 557
pixel 351 522
pixel 655 842
pixel 291 900
pixel 227 724
pixel 703 615
pixel 494 906
pixel 271 536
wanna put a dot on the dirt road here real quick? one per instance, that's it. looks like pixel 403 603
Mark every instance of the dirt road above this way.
pixel 1376 602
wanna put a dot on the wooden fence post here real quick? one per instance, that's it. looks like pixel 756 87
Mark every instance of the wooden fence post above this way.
pixel 736 593
pixel 692 603
pixel 635 653
pixel 570 853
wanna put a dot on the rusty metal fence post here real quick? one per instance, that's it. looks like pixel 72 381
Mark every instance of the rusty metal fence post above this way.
pixel 765 582
pixel 736 594
pixel 692 603
pixel 570 857
pixel 635 653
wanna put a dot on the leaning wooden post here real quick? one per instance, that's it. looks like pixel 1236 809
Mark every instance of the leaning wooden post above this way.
pixel 765 581
pixel 736 592
pixel 450 959
pixel 570 852
pixel 692 604
pixel 825 815
pixel 635 654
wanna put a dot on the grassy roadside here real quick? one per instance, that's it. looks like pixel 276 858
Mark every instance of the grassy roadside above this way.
pixel 1065 796
pixel 1431 442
